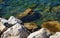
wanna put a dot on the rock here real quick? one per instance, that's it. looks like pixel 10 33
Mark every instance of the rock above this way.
pixel 52 26
pixel 42 33
pixel 13 20
pixel 56 35
pixel 31 26
pixel 26 12
pixel 2 27
pixel 3 20
pixel 16 31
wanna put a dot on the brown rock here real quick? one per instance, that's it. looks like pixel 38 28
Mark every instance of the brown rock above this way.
pixel 52 26
pixel 26 12
pixel 30 26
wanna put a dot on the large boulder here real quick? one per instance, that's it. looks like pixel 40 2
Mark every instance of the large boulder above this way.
pixel 16 31
pixel 56 35
pixel 13 20
pixel 3 20
pixel 42 33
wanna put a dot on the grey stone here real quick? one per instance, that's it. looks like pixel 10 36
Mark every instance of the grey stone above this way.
pixel 3 20
pixel 42 33
pixel 16 31
pixel 13 20
pixel 56 35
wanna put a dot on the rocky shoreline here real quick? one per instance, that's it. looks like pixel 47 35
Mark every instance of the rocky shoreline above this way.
pixel 13 28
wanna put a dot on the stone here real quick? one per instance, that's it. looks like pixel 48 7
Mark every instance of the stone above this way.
pixel 31 26
pixel 26 12
pixel 42 33
pixel 3 20
pixel 16 31
pixel 56 35
pixel 13 20
pixel 52 26
pixel 2 27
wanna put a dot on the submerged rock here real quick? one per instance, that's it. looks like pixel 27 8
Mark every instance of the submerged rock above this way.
pixel 52 26
pixel 42 33
pixel 31 26
pixel 26 12
pixel 56 35
pixel 13 20
pixel 16 31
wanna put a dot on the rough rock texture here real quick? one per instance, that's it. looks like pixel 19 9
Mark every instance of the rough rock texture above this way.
pixel 42 33
pixel 56 35
pixel 16 31
pixel 52 26
pixel 3 20
pixel 31 26
pixel 13 20
pixel 2 27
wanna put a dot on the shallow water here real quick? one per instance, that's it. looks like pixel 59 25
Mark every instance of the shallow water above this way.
pixel 44 7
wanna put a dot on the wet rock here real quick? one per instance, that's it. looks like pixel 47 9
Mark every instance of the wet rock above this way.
pixel 26 12
pixel 31 26
pixel 52 26
pixel 42 33
pixel 13 20
pixel 56 35
pixel 16 31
